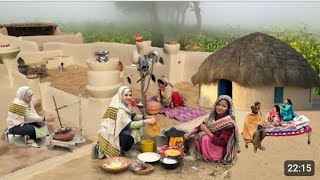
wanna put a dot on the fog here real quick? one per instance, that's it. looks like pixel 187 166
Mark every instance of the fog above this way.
pixel 235 14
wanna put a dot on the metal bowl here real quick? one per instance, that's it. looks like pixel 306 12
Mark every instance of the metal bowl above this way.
pixel 139 104
pixel 170 163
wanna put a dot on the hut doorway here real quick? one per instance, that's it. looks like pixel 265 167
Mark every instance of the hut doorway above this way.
pixel 225 87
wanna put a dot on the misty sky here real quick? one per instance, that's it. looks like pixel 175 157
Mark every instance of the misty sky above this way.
pixel 244 14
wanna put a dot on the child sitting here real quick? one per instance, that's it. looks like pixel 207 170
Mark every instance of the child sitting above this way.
pixel 274 116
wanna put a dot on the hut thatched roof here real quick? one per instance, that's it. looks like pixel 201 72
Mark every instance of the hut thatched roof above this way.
pixel 30 28
pixel 257 59
pixel 30 24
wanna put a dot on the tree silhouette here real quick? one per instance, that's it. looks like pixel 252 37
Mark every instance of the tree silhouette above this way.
pixel 171 12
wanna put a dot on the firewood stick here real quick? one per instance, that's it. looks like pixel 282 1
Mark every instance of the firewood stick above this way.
pixel 55 104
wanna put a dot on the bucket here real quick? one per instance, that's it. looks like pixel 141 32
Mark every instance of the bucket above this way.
pixel 147 145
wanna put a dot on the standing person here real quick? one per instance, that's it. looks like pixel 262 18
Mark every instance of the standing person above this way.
pixel 254 129
pixel 217 138
pixel 286 111
pixel 120 126
pixel 23 119
pixel 257 104
pixel 168 95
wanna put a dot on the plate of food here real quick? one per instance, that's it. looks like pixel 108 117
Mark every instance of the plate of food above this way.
pixel 149 157
pixel 153 130
pixel 172 152
pixel 115 164
pixel 142 168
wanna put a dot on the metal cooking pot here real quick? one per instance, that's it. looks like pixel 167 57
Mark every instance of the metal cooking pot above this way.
pixel 170 163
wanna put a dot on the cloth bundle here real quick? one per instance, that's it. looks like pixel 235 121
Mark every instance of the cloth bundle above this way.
pixel 183 113
pixel 301 121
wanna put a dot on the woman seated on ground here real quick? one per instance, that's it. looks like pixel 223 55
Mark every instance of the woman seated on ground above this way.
pixel 286 111
pixel 254 129
pixel 168 95
pixel 23 118
pixel 120 127
pixel 274 116
pixel 217 138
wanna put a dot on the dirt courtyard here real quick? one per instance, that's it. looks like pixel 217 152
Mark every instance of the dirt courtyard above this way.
pixel 69 81
pixel 263 165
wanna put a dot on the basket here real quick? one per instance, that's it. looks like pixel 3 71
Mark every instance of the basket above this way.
pixel 106 164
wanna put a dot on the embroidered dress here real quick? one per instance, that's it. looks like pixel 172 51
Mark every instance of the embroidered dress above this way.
pixel 21 113
pixel 117 120
pixel 170 95
pixel 223 145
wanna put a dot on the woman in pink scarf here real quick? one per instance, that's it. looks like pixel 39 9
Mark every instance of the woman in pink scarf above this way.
pixel 274 116
pixel 217 138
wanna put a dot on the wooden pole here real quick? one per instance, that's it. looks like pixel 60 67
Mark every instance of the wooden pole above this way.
pixel 143 96
pixel 80 113
pixel 55 104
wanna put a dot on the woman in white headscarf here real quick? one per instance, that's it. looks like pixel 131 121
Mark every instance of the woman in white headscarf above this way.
pixel 23 119
pixel 120 126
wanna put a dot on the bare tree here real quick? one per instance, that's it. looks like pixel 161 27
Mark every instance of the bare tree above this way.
pixel 174 12
pixel 197 12
pixel 145 71
pixel 140 8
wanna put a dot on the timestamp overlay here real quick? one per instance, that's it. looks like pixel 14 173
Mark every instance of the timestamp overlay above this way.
pixel 299 168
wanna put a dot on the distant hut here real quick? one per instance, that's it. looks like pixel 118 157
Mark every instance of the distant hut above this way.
pixel 30 29
pixel 257 67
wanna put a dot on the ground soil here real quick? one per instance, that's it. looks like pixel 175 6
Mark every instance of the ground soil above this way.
pixel 249 165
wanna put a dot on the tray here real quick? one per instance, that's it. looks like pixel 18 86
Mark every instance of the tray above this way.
pixel 149 157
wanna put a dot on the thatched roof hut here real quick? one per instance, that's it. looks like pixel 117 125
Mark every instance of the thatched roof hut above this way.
pixel 257 59
pixel 30 28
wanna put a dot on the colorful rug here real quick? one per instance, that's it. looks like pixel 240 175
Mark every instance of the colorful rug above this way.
pixel 183 113
pixel 287 128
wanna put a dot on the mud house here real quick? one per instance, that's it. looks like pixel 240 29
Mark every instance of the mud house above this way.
pixel 257 67
pixel 251 68
pixel 40 32
pixel 178 66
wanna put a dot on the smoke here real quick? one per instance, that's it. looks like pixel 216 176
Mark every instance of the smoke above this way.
pixel 224 14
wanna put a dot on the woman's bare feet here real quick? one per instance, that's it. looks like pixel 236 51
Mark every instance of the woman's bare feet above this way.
pixel 32 143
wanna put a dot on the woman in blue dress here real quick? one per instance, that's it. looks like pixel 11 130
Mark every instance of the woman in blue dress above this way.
pixel 286 110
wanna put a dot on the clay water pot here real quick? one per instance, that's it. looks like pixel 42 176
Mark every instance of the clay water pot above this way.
pixel 64 136
pixel 32 76
pixel 153 108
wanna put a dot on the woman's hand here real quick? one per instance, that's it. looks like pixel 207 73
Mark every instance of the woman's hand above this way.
pixel 50 118
pixel 187 136
pixel 203 127
pixel 150 120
